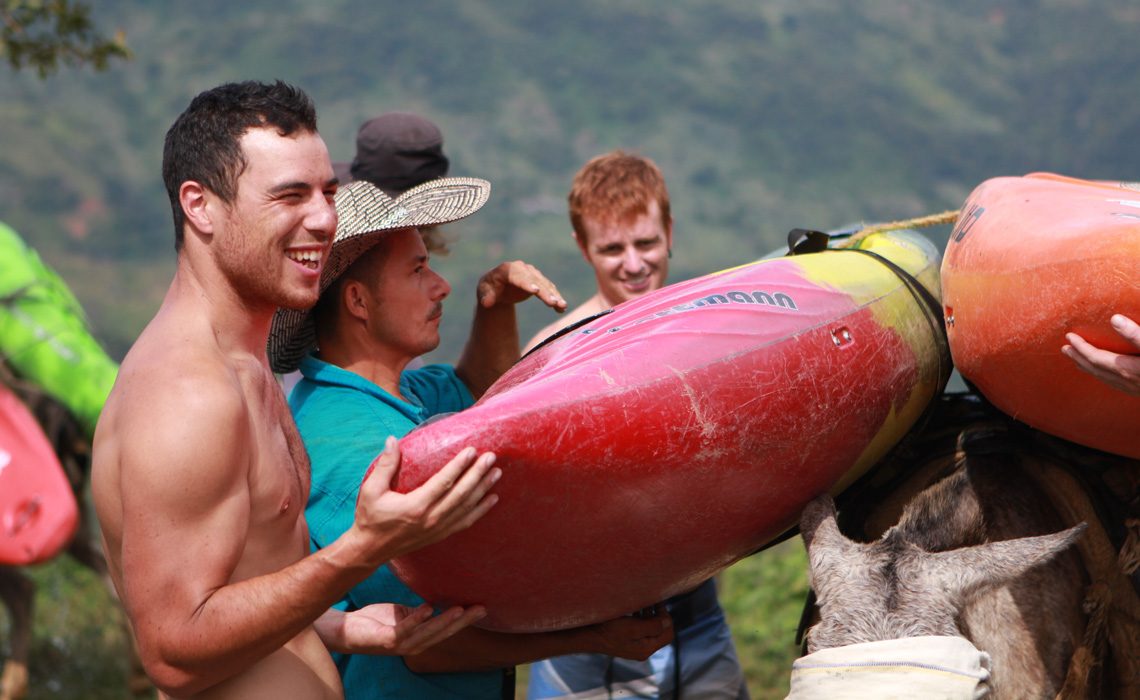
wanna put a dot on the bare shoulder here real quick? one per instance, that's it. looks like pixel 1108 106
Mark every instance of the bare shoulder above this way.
pixel 177 420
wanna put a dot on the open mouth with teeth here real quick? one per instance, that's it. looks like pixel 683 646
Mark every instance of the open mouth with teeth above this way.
pixel 310 259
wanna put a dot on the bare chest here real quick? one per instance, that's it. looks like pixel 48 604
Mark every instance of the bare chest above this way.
pixel 278 483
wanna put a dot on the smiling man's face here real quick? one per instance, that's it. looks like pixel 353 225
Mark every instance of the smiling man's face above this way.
pixel 629 257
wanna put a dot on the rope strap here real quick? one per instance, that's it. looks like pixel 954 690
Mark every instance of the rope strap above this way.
pixel 946 217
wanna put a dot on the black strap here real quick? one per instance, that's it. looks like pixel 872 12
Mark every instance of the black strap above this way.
pixel 676 665
pixel 919 292
pixel 567 329
pixel 806 240
pixel 509 681
pixel 17 293
pixel 801 241
pixel 934 317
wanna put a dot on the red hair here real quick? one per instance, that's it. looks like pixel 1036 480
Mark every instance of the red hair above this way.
pixel 616 187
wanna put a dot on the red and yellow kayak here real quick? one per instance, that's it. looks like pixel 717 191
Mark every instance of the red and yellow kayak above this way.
pixel 1031 258
pixel 657 444
pixel 38 512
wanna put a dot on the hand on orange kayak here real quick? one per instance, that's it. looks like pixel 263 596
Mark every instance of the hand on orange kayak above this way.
pixel 1121 372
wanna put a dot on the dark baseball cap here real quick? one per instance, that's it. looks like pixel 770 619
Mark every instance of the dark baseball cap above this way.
pixel 396 151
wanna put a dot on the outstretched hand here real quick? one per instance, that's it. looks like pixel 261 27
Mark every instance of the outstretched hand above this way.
pixel 632 637
pixel 396 630
pixel 1119 371
pixel 513 282
pixel 392 630
pixel 451 500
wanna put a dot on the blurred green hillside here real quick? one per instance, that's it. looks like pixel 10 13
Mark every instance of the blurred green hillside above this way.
pixel 764 116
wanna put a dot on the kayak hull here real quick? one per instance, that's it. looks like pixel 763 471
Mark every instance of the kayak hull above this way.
pixel 1032 258
pixel 656 445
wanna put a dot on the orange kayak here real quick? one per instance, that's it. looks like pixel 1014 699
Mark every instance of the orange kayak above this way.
pixel 1031 258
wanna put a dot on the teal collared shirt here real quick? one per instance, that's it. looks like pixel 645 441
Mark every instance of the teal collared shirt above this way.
pixel 344 420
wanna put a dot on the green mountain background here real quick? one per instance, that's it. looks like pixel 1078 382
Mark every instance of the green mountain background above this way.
pixel 764 116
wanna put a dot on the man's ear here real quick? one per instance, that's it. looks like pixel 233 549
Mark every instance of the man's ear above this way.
pixel 352 297
pixel 196 203
pixel 581 241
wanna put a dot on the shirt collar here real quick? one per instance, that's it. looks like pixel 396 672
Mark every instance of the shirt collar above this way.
pixel 317 370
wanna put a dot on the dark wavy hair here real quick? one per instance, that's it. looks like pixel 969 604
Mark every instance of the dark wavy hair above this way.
pixel 203 144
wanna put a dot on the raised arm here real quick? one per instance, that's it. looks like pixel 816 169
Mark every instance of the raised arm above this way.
pixel 494 342
pixel 1117 370
pixel 212 551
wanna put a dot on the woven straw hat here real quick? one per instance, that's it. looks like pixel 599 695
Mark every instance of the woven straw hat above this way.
pixel 364 212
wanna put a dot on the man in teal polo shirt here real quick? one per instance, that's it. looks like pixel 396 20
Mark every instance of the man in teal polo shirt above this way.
pixel 379 308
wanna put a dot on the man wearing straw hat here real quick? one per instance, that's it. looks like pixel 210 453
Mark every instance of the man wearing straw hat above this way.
pixel 381 307
pixel 199 474
pixel 397 151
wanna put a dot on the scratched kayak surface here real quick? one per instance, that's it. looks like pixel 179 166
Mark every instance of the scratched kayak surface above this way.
pixel 659 443
pixel 1031 258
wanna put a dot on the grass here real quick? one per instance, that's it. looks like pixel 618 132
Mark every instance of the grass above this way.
pixel 763 598
pixel 78 645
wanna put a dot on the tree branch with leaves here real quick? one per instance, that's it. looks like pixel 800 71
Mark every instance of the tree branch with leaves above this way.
pixel 41 34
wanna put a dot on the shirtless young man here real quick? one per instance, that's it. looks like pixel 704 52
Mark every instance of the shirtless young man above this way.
pixel 199 475
pixel 620 219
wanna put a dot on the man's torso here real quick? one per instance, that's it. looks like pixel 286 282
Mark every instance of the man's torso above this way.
pixel 276 474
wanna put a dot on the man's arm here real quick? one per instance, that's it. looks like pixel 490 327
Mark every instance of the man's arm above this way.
pixel 391 630
pixel 474 649
pixel 494 342
pixel 1119 371
pixel 195 584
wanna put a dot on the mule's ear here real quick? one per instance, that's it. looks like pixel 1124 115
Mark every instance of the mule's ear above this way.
pixel 970 570
pixel 819 509
pixel 827 547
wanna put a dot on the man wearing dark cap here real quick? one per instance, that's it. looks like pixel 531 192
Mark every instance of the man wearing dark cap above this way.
pixel 396 151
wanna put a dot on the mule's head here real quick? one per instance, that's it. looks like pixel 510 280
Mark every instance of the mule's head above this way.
pixel 891 588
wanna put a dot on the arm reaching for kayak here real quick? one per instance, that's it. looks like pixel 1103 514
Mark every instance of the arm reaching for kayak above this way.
pixel 474 649
pixel 1119 371
pixel 494 342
